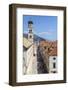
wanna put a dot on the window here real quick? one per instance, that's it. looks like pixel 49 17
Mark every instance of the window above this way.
pixel 49 50
pixel 45 47
pixel 53 71
pixel 30 31
pixel 34 54
pixel 54 58
pixel 54 65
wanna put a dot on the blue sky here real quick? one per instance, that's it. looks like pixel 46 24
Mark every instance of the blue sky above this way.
pixel 43 26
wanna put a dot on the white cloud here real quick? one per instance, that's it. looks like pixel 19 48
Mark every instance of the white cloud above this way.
pixel 25 31
pixel 47 33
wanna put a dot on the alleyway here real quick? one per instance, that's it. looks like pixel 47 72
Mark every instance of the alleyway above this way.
pixel 40 64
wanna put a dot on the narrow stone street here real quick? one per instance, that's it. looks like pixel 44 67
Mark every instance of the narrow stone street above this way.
pixel 40 64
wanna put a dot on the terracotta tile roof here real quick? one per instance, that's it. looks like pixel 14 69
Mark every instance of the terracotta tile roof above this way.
pixel 50 47
pixel 53 52
pixel 26 43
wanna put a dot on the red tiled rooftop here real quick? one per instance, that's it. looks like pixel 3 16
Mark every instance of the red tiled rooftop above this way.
pixel 51 47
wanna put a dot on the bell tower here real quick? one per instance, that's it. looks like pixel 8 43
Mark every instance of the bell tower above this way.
pixel 30 31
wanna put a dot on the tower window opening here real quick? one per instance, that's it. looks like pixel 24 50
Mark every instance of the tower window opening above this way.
pixel 30 36
pixel 30 31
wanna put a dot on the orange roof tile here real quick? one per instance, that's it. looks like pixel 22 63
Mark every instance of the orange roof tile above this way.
pixel 51 47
